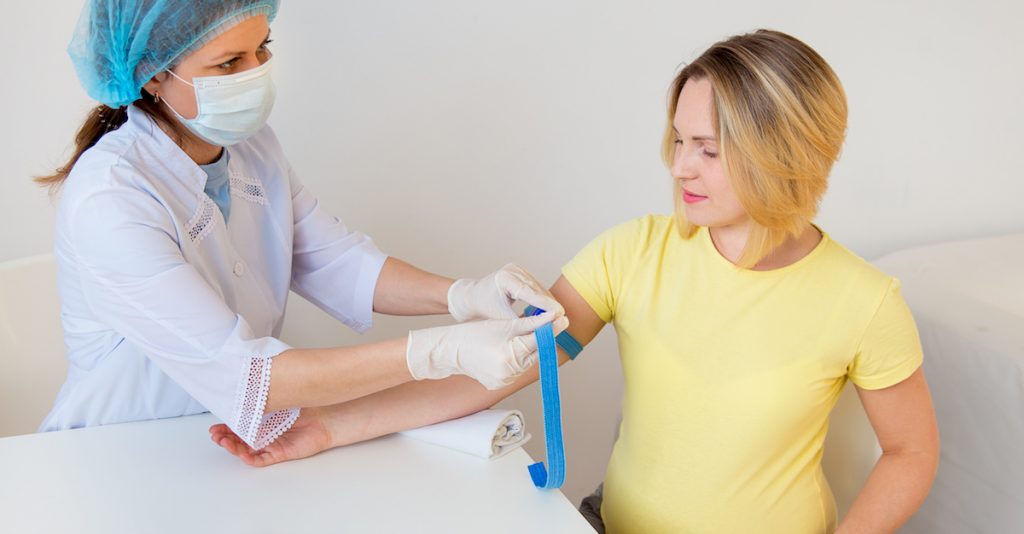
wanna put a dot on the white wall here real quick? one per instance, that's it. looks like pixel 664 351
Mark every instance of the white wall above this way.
pixel 465 134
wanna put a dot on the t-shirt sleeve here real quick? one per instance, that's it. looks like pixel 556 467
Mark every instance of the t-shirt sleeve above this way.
pixel 598 271
pixel 891 348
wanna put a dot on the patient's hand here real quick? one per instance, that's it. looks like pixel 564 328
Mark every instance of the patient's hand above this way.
pixel 307 436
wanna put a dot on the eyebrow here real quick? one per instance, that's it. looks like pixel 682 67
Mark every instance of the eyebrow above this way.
pixel 217 59
pixel 698 137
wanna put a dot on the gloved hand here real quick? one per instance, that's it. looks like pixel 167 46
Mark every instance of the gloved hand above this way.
pixel 492 296
pixel 492 352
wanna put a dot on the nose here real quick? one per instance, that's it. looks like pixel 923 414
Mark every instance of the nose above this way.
pixel 684 164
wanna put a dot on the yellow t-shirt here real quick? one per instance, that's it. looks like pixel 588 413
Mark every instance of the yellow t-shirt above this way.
pixel 730 375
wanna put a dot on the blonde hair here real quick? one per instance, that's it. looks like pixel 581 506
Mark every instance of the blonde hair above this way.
pixel 780 115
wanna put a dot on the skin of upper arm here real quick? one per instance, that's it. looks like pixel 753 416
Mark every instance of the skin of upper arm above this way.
pixel 903 416
pixel 584 323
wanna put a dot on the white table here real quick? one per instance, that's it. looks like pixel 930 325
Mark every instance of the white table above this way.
pixel 167 476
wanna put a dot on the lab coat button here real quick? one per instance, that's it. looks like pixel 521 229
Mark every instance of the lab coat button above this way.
pixel 239 269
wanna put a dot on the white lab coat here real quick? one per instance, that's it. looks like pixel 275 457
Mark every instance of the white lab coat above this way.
pixel 167 310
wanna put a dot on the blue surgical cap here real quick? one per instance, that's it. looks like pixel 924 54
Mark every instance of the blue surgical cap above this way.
pixel 119 45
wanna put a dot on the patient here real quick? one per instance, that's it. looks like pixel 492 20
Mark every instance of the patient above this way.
pixel 739 322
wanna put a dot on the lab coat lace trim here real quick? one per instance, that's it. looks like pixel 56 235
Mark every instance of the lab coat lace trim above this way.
pixel 201 223
pixel 248 189
pixel 255 428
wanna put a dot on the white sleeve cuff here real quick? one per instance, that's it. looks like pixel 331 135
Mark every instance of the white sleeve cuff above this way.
pixel 254 427
pixel 373 263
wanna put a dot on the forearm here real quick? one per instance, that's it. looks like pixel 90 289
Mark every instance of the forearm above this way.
pixel 893 492
pixel 406 406
pixel 302 378
pixel 422 403
pixel 415 404
pixel 406 290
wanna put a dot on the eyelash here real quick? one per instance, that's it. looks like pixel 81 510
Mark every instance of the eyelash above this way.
pixel 231 62
pixel 703 150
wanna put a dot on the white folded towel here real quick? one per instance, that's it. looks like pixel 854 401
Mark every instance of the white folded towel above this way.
pixel 488 434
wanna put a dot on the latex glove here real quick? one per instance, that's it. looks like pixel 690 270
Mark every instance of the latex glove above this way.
pixel 492 296
pixel 492 352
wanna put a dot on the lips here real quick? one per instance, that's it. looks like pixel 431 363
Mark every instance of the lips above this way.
pixel 691 198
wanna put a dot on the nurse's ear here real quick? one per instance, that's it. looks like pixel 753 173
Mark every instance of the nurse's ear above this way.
pixel 170 91
pixel 156 83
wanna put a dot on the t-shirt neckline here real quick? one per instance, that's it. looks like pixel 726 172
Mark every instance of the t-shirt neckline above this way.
pixel 704 234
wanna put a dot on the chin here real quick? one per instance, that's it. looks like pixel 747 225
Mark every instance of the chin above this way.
pixel 698 217
pixel 701 217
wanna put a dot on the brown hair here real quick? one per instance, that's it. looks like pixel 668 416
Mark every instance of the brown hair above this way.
pixel 103 119
pixel 780 118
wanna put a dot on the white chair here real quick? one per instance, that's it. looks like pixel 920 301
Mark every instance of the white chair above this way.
pixel 32 361
pixel 851 449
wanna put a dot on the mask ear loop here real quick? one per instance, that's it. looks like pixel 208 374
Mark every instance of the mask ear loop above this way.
pixel 166 103
pixel 171 72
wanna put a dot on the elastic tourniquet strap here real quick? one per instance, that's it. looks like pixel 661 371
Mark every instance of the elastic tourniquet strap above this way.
pixel 554 476
pixel 564 340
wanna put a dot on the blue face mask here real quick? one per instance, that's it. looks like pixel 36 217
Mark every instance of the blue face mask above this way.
pixel 231 108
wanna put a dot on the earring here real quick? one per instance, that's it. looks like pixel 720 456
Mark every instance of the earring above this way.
pixel 156 97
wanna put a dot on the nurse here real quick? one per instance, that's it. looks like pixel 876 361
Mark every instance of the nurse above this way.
pixel 181 228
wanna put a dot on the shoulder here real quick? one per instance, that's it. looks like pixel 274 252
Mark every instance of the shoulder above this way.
pixel 105 168
pixel 137 156
pixel 112 182
pixel 641 233
pixel 262 149
pixel 861 278
pixel 261 160
pixel 627 244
